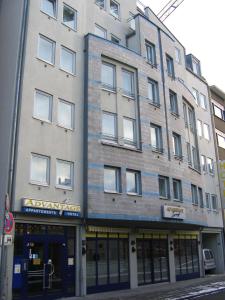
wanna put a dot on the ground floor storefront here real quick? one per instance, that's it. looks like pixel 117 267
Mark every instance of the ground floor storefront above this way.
pixel 55 260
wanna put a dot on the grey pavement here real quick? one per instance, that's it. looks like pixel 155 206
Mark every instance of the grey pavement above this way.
pixel 188 289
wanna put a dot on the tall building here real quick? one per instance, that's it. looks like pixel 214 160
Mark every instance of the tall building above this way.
pixel 109 153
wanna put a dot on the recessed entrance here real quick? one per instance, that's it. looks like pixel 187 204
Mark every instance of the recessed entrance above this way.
pixel 44 262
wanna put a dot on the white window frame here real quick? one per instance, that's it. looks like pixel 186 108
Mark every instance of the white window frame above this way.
pixel 103 30
pixel 206 136
pixel 203 163
pixel 177 137
pixel 153 85
pixel 63 48
pixel 137 176
pixel 128 142
pixel 49 120
pixel 108 137
pixel 195 94
pixel 53 49
pixel 200 128
pixel 105 85
pixel 158 136
pixel 111 12
pixel 220 138
pixel 62 186
pixel 75 16
pixel 210 163
pixel 167 186
pixel 129 94
pixel 117 180
pixel 47 158
pixel 202 101
pixel 56 9
pixel 72 114
pixel 151 53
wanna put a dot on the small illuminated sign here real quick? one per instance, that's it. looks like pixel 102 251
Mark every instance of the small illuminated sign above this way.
pixel 174 212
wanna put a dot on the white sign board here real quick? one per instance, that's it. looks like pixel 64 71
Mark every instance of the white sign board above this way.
pixel 174 212
pixel 8 240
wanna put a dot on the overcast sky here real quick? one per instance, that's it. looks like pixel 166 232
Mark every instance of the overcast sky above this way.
pixel 200 26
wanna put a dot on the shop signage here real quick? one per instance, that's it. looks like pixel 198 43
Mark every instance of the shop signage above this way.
pixel 41 207
pixel 9 222
pixel 174 212
pixel 8 240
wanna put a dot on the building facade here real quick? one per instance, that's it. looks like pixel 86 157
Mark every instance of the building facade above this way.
pixel 114 177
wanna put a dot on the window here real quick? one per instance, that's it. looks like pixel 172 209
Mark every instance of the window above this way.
pixel 206 131
pixel 200 196
pixel 43 106
pixel 46 49
pixel 115 39
pixel 221 141
pixel 199 128
pixel 100 3
pixel 189 154
pixel 173 103
pixel 202 101
pixel 64 174
pixel 203 163
pixel 69 17
pixel 170 66
pixel 191 116
pixel 196 95
pixel 128 83
pixel 68 60
pixel 131 21
pixel 129 131
pixel 177 148
pixel 218 111
pixel 207 200
pixel 185 114
pixel 177 55
pixel 39 169
pixel 210 165
pixel 109 129
pixel 177 190
pixel 195 158
pixel 49 7
pixel 66 114
pixel 111 179
pixel 151 53
pixel 194 194
pixel 196 67
pixel 100 31
pixel 156 138
pixel 164 187
pixel 214 202
pixel 108 76
pixel 153 92
pixel 133 179
pixel 114 9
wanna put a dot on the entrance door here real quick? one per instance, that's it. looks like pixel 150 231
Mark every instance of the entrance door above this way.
pixel 45 267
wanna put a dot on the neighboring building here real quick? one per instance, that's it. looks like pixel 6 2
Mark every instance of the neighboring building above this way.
pixel 218 107
pixel 114 177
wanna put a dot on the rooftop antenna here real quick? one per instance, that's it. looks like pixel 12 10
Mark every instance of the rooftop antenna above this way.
pixel 168 9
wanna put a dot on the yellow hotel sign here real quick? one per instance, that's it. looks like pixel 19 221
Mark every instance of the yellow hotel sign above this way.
pixel 50 208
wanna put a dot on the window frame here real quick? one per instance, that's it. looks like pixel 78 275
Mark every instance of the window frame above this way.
pixel 179 185
pixel 200 128
pixel 110 10
pixel 101 29
pixel 189 156
pixel 138 190
pixel 155 92
pixel 167 186
pixel 174 109
pixel 208 201
pixel 63 48
pixel 127 142
pixel 178 55
pixel 41 36
pixel 117 179
pixel 104 6
pixel 49 120
pixel 107 137
pixel 214 197
pixel 47 158
pixel 117 40
pixel 75 16
pixel 208 131
pixel 217 108
pixel 203 104
pixel 200 197
pixel 170 66
pixel 151 59
pixel 194 190
pixel 129 94
pixel 203 166
pixel 195 94
pixel 159 139
pixel 72 114
pixel 177 137
pixel 210 170
pixel 104 85
pixel 61 186
pixel 218 137
pixel 56 9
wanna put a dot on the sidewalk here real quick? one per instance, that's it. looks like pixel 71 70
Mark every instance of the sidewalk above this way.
pixel 170 291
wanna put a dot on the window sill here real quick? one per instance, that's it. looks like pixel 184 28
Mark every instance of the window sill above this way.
pixel 112 193
pixel 154 66
pixel 134 195
pixel 49 16
pixel 164 198
pixel 116 145
pixel 61 187
pixel 67 72
pixel 42 121
pixel 195 170
pixel 179 158
pixel 115 17
pixel 194 204
pixel 171 76
pixel 65 128
pixel 70 28
pixel 39 184
pixel 178 200
pixel 46 62
pixel 176 115
pixel 113 90
pixel 156 105
pixel 157 150
pixel 128 97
